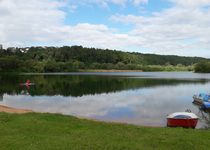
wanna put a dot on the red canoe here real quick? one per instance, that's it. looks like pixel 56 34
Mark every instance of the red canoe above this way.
pixel 182 119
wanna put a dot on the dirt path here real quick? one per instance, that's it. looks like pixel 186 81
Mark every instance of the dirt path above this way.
pixel 13 110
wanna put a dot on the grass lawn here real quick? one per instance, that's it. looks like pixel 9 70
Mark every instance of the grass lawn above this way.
pixel 35 131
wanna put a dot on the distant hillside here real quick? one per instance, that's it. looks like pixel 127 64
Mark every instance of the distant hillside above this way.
pixel 90 55
pixel 50 59
pixel 152 59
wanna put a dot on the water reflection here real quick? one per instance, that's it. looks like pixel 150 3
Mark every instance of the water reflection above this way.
pixel 204 117
pixel 80 85
pixel 1 97
pixel 121 99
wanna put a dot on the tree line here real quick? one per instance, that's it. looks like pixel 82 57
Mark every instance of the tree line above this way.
pixel 74 58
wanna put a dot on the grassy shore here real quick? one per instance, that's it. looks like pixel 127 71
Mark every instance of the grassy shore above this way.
pixel 35 131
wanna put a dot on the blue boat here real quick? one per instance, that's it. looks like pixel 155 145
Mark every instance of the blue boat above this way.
pixel 205 105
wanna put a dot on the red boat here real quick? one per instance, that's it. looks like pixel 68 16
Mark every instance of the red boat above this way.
pixel 182 119
pixel 27 84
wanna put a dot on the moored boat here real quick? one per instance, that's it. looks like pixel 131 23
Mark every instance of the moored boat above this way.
pixel 197 100
pixel 182 119
pixel 201 98
pixel 205 105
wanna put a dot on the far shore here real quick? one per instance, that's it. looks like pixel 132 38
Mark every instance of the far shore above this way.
pixel 13 110
pixel 104 70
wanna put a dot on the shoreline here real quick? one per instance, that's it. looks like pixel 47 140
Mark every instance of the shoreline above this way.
pixel 85 71
pixel 6 109
pixel 61 131
pixel 12 110
pixel 104 70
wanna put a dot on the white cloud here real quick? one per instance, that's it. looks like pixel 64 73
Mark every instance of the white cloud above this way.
pixel 191 3
pixel 23 21
pixel 107 2
pixel 138 2
pixel 183 29
pixel 26 22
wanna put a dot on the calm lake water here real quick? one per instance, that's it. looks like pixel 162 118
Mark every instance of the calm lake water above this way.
pixel 135 98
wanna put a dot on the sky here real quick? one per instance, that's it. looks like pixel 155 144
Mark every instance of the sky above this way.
pixel 169 27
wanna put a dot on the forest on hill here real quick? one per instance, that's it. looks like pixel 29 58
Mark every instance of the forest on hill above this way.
pixel 74 58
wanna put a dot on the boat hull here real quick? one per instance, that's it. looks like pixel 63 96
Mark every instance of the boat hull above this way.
pixel 186 123
pixel 206 105
pixel 197 101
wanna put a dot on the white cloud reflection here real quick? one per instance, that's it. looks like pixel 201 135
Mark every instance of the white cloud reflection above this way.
pixel 147 106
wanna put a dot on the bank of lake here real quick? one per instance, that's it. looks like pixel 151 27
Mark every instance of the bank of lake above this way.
pixel 54 131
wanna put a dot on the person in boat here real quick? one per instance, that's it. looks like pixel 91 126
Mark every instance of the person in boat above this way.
pixel 28 82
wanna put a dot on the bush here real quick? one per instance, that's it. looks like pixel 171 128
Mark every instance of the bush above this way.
pixel 203 67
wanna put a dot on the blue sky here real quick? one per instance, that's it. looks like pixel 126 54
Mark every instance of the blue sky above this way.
pixel 98 14
pixel 174 27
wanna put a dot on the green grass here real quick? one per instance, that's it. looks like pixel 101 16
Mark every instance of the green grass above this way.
pixel 35 131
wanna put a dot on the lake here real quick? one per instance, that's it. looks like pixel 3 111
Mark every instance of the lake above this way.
pixel 140 98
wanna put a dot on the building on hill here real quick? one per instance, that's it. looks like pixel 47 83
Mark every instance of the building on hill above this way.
pixel 1 46
pixel 12 49
pixel 24 50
